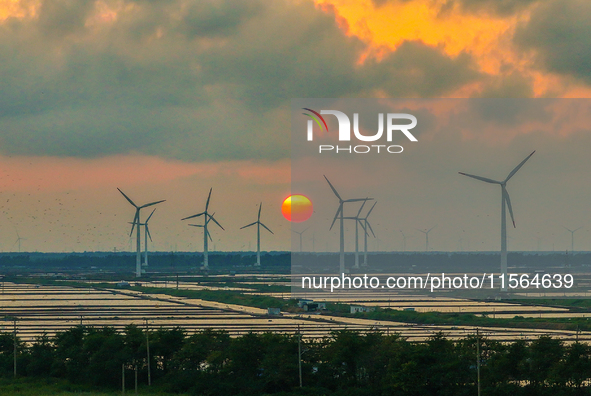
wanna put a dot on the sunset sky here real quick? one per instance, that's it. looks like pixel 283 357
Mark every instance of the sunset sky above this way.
pixel 166 100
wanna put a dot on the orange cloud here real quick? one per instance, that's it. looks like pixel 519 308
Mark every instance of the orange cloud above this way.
pixel 46 174
pixel 486 36
pixel 17 8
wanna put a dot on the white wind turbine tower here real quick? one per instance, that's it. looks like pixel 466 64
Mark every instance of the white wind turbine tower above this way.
pixel 572 238
pixel 18 240
pixel 206 219
pixel 366 225
pixel 426 237
pixel 403 241
pixel 505 202
pixel 358 220
pixel 259 224
pixel 146 235
pixel 136 220
pixel 340 215
pixel 300 234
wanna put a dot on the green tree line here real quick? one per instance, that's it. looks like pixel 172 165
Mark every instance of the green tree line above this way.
pixel 345 363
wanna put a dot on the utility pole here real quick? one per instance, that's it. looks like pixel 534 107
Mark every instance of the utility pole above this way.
pixel 148 353
pixel 478 358
pixel 300 355
pixel 14 319
pixel 135 368
pixel 123 379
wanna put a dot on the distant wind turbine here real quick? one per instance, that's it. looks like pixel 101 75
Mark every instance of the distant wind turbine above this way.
pixel 366 225
pixel 259 224
pixel 146 235
pixel 136 220
pixel 300 234
pixel 18 240
pixel 426 237
pixel 505 203
pixel 403 241
pixel 340 215
pixel 206 219
pixel 358 221
pixel 572 237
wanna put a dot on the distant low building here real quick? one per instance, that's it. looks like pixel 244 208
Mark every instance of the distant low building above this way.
pixel 359 308
pixel 303 302
pixel 311 306
pixel 123 284
pixel 274 311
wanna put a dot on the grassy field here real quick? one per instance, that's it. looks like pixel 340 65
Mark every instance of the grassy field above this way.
pixel 55 387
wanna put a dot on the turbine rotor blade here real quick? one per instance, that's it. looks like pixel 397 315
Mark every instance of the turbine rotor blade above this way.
pixel 362 223
pixel 209 235
pixel 151 203
pixel 336 215
pixel 508 200
pixel 361 208
pixel 126 197
pixel 195 225
pixel 215 221
pixel 196 215
pixel 484 179
pixel 267 228
pixel 358 200
pixel 148 231
pixel 208 197
pixel 136 219
pixel 251 224
pixel 514 171
pixel 150 215
pixel 367 215
pixel 260 207
pixel 371 229
pixel 333 189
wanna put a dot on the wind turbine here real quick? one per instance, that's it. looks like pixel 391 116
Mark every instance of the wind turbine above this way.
pixel 357 223
pixel 505 202
pixel 340 215
pixel 572 238
pixel 300 234
pixel 18 240
pixel 146 235
pixel 136 220
pixel 205 244
pixel 259 224
pixel 426 237
pixel 206 219
pixel 366 225
pixel 403 241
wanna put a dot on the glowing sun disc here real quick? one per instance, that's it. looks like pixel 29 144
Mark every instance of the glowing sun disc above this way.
pixel 297 208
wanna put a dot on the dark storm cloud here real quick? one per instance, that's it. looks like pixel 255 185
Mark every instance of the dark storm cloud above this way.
pixel 207 80
pixel 419 70
pixel 512 85
pixel 206 19
pixel 559 34
pixel 58 18
pixel 497 7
